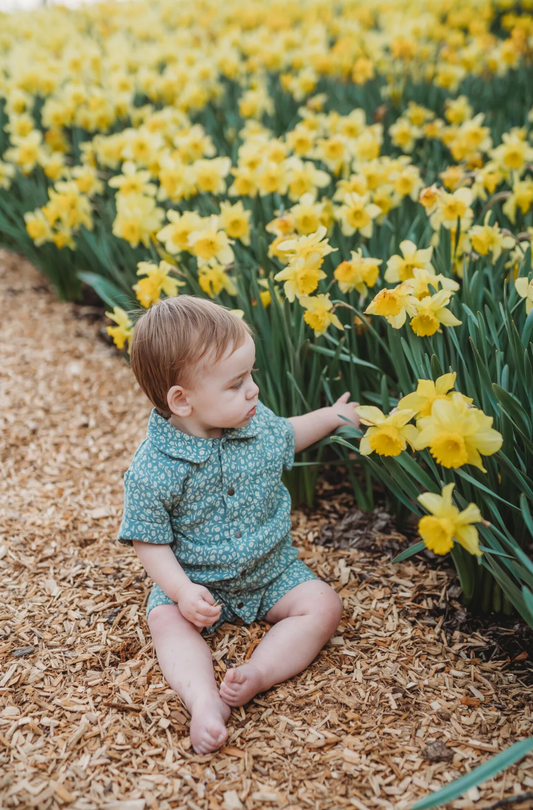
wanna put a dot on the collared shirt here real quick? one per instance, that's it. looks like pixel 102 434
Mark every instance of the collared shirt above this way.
pixel 219 503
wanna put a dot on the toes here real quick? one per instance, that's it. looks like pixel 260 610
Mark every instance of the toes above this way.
pixel 234 676
pixel 216 734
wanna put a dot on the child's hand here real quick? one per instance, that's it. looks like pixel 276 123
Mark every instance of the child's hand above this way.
pixel 196 605
pixel 347 409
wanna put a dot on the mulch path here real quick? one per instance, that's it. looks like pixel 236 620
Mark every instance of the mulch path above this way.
pixel 399 703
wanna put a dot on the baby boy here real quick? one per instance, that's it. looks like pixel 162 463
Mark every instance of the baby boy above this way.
pixel 209 517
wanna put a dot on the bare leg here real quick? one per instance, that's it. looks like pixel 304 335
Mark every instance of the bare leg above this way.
pixel 186 662
pixel 304 619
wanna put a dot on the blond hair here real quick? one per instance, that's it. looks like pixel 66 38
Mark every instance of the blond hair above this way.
pixel 171 338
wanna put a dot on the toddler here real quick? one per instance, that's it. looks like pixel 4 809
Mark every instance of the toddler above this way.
pixel 209 517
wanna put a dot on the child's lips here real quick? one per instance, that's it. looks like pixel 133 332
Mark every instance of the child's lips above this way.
pixel 252 412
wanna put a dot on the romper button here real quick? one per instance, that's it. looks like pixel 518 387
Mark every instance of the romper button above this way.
pixel 238 534
pixel 231 491
pixel 240 604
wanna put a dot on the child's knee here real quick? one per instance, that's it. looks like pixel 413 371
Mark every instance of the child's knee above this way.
pixel 334 610
pixel 328 609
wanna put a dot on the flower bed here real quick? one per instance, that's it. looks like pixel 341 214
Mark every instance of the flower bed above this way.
pixel 353 180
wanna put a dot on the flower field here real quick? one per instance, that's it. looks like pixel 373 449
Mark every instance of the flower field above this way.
pixel 356 180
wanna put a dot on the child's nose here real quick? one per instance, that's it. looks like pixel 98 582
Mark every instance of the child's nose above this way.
pixel 252 391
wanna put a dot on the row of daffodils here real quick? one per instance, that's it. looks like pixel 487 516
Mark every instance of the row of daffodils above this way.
pixel 356 180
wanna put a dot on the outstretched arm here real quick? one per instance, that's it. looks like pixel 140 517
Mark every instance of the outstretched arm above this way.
pixel 311 427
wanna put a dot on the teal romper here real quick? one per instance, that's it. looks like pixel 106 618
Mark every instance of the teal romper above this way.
pixel 222 507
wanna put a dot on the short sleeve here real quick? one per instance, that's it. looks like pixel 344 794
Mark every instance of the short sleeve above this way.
pixel 145 516
pixel 288 454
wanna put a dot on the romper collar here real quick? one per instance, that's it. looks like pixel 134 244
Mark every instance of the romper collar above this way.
pixel 176 444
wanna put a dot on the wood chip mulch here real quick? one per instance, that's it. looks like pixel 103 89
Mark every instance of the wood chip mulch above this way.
pixel 393 707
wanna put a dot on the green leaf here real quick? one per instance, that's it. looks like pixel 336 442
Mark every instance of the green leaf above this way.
pixel 527 330
pixel 486 771
pixel 414 468
pixel 528 599
pixel 107 290
pixel 513 407
pixel 436 368
pixel 385 401
pixel 349 358
pixel 409 552
pixel 524 506
pixel 483 488
pixel 487 550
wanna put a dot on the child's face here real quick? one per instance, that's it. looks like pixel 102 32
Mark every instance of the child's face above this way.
pixel 224 395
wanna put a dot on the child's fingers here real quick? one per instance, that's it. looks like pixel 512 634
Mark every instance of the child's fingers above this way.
pixel 345 397
pixel 202 621
pixel 203 609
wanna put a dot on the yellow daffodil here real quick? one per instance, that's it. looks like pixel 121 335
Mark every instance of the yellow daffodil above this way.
pixel 235 220
pixel 210 242
pixel 209 175
pixel 87 180
pixel 357 214
pixel 387 435
pixel 514 153
pixel 457 434
pixel 486 179
pixel 137 219
pixel 304 178
pixel 406 182
pixel 175 235
pixel 423 279
pixel 148 290
pixel 132 181
pixel 521 197
pixel 282 226
pixel 421 400
pixel 301 277
pixel 123 331
pixel 37 227
pixel 453 207
pixel 313 247
pixel 431 313
pixel 394 305
pixel 404 134
pixel 401 268
pixel 488 238
pixel 306 214
pixel 7 173
pixel 358 274
pixel 457 110
pixel 356 183
pixel 213 278
pixel 319 315
pixel 451 177
pixel 177 180
pixel 26 151
pixel 524 289
pixel 429 198
pixel 446 523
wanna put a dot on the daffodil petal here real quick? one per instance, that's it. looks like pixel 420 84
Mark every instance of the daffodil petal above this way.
pixel 468 537
pixel 431 501
pixel 370 415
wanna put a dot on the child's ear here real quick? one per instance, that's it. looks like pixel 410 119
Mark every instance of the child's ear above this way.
pixel 177 401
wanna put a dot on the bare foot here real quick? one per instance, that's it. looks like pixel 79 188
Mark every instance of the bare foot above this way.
pixel 209 715
pixel 241 684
